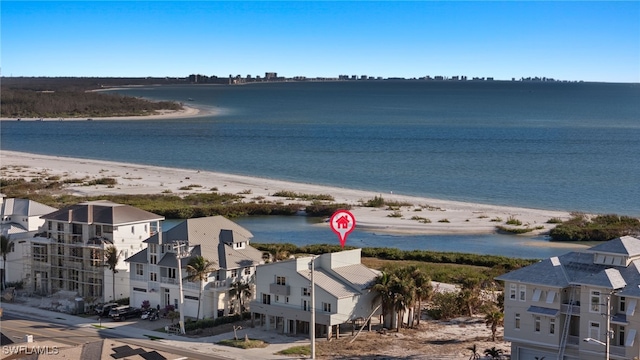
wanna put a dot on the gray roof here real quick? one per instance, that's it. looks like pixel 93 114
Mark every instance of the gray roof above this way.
pixel 543 311
pixel 102 212
pixel 357 274
pixel 212 238
pixel 139 257
pixel 624 245
pixel 326 281
pixel 578 268
pixel 24 207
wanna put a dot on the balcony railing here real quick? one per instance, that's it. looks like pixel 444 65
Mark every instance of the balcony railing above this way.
pixel 571 309
pixel 279 289
pixel 168 280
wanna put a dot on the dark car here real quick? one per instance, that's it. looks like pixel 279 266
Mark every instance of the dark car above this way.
pixel 121 313
pixel 104 309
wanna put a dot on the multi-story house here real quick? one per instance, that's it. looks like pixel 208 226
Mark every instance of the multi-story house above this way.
pixel 68 253
pixel 19 221
pixel 155 275
pixel 341 289
pixel 581 305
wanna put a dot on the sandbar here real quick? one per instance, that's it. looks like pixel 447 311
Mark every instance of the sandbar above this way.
pixel 186 112
pixel 421 215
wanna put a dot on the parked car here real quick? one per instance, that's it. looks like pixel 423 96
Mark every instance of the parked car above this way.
pixel 123 312
pixel 103 310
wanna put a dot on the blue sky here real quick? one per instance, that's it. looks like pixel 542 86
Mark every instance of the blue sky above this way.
pixel 569 40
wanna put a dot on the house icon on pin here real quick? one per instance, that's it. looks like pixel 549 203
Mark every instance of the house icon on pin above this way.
pixel 343 222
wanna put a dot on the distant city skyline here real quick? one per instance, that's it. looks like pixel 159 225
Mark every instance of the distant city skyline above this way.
pixel 563 40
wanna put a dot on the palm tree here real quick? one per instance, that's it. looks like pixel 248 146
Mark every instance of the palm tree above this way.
pixel 493 352
pixel 494 318
pixel 199 269
pixel 474 352
pixel 5 245
pixel 403 296
pixel 240 290
pixel 382 289
pixel 423 289
pixel 111 258
pixel 470 294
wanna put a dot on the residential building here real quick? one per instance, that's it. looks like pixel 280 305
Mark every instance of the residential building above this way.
pixel 154 270
pixel 581 305
pixel 19 221
pixel 68 252
pixel 341 293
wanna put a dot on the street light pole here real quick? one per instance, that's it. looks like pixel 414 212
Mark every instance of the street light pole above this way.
pixel 312 329
pixel 607 341
pixel 180 254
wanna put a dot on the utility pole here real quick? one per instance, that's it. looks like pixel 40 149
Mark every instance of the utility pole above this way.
pixel 181 253
pixel 312 325
pixel 607 342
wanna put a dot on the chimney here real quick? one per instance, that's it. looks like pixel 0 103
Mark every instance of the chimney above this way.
pixel 70 216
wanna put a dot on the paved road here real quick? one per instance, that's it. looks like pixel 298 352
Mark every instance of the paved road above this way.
pixel 52 324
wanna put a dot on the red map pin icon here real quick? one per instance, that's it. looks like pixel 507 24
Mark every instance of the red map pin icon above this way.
pixel 342 223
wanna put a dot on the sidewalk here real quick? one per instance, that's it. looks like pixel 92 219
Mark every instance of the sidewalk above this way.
pixel 204 345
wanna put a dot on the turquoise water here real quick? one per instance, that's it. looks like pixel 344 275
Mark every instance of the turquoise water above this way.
pixel 559 146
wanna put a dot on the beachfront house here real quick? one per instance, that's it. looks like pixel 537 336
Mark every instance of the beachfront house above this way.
pixel 341 291
pixel 155 275
pixel 19 222
pixel 68 253
pixel 581 305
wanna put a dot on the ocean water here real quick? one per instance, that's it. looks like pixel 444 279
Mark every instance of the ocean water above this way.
pixel 559 146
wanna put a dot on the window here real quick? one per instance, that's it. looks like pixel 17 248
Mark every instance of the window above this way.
pixel 536 295
pixel 277 298
pixel 286 299
pixel 153 276
pixel 49 225
pixel 266 298
pixel 107 229
pixel 40 252
pixel 517 321
pixel 171 273
pixel 153 249
pixel 306 292
pixel 234 273
pixel 247 271
pixel 537 324
pixel 621 336
pixel 512 291
pixel 623 304
pixel 76 229
pixel 326 307
pixel 76 254
pixel 133 229
pixel 98 230
pixel 594 330
pixel 595 301
pixel 96 257
pixel 139 269
pixel 552 326
pixel 60 226
pixel 523 293
pixel 551 296
pixel 280 280
pixel 153 259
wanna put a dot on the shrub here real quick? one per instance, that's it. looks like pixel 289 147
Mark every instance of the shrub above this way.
pixel 395 214
pixel 377 201
pixel 513 221
pixel 445 220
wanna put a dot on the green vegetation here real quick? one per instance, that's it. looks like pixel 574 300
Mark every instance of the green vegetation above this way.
pixel 300 350
pixel 445 220
pixel 516 231
pixel 191 325
pixel 600 228
pixel 554 220
pixel 69 98
pixel 513 221
pixel 244 343
pixel 379 201
pixel 291 195
pixel 502 263
pixel 421 219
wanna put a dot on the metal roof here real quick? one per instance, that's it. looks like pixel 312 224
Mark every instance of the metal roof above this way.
pixel 24 207
pixel 357 274
pixel 330 283
pixel 543 311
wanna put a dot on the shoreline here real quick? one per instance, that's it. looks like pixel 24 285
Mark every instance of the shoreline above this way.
pixel 444 216
pixel 186 112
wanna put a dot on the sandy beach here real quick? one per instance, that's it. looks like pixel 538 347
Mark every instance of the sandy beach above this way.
pixel 422 216
pixel 186 112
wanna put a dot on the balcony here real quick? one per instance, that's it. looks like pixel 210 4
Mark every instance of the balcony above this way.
pixel 219 284
pixel 167 280
pixel 276 289
pixel 571 309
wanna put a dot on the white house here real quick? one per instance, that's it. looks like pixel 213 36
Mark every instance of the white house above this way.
pixel 19 221
pixel 68 252
pixel 581 305
pixel 341 290
pixel 154 270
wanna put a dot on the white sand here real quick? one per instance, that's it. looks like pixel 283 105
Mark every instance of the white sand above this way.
pixel 186 112
pixel 463 218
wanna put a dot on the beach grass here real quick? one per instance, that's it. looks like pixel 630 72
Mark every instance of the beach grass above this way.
pixel 244 343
